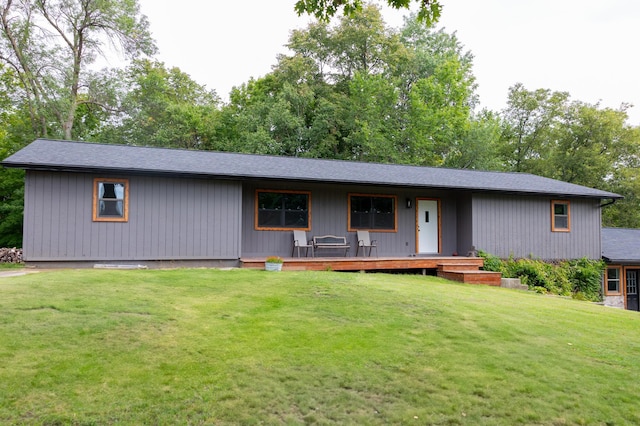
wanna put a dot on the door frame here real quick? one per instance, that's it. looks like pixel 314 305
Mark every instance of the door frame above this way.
pixel 439 204
pixel 624 284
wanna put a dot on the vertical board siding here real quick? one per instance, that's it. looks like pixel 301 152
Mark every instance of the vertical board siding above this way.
pixel 521 227
pixel 329 215
pixel 464 224
pixel 169 219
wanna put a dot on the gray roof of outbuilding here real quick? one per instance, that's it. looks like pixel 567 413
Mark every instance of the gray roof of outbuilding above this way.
pixel 44 154
pixel 621 245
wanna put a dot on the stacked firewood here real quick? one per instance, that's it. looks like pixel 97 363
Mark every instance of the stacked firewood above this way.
pixel 10 255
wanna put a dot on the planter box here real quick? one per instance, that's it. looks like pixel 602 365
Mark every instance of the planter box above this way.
pixel 268 266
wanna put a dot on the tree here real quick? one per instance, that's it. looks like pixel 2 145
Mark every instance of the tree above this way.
pixel 15 133
pixel 51 44
pixel 358 89
pixel 528 123
pixel 161 107
pixel 429 10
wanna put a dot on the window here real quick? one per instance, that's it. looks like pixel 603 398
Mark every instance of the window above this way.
pixel 613 281
pixel 110 200
pixel 283 210
pixel 372 212
pixel 560 216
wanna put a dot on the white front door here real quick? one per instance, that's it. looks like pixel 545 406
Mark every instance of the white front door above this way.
pixel 428 226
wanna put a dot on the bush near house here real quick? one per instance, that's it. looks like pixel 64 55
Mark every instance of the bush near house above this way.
pixel 579 279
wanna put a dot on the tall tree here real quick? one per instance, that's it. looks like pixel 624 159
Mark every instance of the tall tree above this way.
pixel 15 133
pixel 161 107
pixel 529 121
pixel 429 10
pixel 358 89
pixel 51 44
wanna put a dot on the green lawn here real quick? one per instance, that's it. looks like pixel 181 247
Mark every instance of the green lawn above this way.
pixel 197 346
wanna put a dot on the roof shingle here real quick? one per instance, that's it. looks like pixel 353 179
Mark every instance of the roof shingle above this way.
pixel 44 154
pixel 621 245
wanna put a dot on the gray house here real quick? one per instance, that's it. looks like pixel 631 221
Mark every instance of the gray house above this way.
pixel 621 252
pixel 87 202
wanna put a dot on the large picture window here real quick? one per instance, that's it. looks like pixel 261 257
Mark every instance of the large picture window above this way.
pixel 372 212
pixel 110 200
pixel 283 210
pixel 560 216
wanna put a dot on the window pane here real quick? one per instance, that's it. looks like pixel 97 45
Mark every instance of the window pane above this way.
pixel 560 209
pixel 562 222
pixel 269 200
pixel 372 212
pixel 283 210
pixel 111 208
pixel 110 199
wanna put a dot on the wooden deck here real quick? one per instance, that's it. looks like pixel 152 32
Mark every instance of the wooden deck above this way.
pixel 456 268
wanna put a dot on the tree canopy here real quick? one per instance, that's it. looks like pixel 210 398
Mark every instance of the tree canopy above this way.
pixel 50 45
pixel 428 10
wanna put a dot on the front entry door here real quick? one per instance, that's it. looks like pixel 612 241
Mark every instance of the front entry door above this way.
pixel 428 226
pixel 632 289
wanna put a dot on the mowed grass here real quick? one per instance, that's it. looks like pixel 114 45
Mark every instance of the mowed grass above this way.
pixel 197 346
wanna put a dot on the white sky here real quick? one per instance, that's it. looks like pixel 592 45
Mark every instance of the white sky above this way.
pixel 588 48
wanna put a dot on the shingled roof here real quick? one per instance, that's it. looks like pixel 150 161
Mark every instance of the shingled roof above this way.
pixel 44 154
pixel 621 245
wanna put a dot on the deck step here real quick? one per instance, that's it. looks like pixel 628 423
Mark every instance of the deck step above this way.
pixel 473 277
pixel 445 267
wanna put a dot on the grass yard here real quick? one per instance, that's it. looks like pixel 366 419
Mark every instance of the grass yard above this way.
pixel 197 346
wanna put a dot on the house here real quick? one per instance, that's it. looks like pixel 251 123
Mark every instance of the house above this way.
pixel 621 252
pixel 89 202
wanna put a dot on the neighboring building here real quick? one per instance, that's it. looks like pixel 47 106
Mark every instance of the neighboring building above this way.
pixel 621 252
pixel 87 202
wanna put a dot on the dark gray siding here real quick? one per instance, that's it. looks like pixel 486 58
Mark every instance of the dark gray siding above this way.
pixel 521 227
pixel 329 216
pixel 464 224
pixel 169 219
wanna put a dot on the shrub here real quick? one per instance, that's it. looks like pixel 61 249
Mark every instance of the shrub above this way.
pixel 586 278
pixel 491 263
pixel 580 278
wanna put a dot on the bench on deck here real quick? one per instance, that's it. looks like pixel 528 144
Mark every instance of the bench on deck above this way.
pixel 331 242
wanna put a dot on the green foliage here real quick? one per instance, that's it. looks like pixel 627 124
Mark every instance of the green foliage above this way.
pixel 360 90
pixel 491 262
pixel 429 10
pixel 161 107
pixel 11 207
pixel 581 278
pixel 51 46
pixel 540 275
pixel 586 278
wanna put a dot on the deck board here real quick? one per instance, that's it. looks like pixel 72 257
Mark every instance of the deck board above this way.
pixel 456 268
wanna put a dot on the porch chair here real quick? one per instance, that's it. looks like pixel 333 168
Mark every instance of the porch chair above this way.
pixel 300 241
pixel 364 241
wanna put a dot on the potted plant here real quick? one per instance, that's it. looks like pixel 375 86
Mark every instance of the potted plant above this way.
pixel 273 263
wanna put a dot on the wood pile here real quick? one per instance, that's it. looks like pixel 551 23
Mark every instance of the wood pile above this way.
pixel 10 255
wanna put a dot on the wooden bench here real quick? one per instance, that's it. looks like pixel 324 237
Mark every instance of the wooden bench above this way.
pixel 331 242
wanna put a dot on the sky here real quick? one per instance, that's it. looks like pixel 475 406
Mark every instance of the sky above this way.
pixel 589 48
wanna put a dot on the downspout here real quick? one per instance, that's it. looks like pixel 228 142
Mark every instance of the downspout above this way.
pixel 613 200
